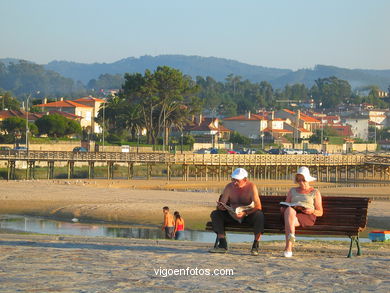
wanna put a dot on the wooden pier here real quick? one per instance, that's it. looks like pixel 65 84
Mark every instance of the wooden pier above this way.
pixel 335 168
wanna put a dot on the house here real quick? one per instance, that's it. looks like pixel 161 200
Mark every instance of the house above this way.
pixel 359 126
pixel 32 117
pixel 342 130
pixel 249 125
pixel 275 134
pixel 299 119
pixel 377 115
pixel 208 128
pixel 330 120
pixel 96 104
pixel 74 108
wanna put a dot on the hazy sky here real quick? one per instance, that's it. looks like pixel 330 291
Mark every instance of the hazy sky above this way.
pixel 274 33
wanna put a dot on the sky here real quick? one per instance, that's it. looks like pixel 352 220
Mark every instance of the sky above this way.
pixel 291 34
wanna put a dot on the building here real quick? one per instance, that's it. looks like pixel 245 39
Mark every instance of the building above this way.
pixel 207 128
pixel 299 119
pixel 249 125
pixel 73 108
pixel 359 126
pixel 32 117
pixel 377 115
pixel 96 104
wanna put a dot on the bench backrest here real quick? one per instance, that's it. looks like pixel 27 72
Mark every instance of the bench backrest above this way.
pixel 342 215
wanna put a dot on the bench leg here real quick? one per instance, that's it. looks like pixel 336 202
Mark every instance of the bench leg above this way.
pixel 354 239
pixel 359 252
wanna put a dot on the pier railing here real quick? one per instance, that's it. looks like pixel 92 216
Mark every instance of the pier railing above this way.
pixel 192 159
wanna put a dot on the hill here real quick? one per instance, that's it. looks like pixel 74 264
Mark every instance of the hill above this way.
pixel 217 68
pixel 356 77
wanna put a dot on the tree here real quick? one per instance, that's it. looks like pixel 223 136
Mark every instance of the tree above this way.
pixel 13 124
pixel 164 98
pixel 106 81
pixel 331 91
pixel 24 78
pixel 8 102
pixel 235 137
pixel 325 133
pixel 55 125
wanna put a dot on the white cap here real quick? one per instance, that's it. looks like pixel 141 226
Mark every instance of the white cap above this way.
pixel 239 174
pixel 305 172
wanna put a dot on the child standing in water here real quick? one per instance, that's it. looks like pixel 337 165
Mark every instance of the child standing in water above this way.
pixel 168 224
pixel 179 226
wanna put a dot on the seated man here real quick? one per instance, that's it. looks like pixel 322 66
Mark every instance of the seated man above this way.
pixel 239 192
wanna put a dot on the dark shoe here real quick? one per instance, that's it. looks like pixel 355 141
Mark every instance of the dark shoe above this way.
pixel 218 250
pixel 221 248
pixel 255 248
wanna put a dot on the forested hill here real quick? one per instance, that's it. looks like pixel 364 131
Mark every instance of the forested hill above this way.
pixel 217 68
pixel 356 77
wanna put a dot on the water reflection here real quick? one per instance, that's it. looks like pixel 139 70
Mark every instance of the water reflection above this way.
pixel 55 227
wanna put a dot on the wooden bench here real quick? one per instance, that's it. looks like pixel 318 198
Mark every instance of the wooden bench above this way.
pixel 343 216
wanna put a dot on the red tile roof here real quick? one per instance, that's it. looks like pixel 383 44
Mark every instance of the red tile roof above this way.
pixel 309 119
pixel 289 111
pixel 89 99
pixel 63 104
pixel 253 117
pixel 344 130
pixel 303 130
pixel 207 125
pixel 4 114
pixel 277 130
pixel 303 116
pixel 66 115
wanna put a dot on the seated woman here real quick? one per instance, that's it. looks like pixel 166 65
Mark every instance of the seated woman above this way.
pixel 307 206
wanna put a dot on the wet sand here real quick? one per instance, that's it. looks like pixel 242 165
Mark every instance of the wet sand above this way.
pixel 140 201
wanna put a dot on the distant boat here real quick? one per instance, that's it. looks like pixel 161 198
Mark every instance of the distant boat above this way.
pixel 75 220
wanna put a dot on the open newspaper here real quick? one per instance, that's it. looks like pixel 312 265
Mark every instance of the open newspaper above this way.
pixel 237 210
pixel 296 205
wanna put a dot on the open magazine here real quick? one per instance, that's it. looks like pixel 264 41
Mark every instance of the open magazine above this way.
pixel 296 206
pixel 237 210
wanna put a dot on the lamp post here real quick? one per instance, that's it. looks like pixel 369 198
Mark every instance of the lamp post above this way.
pixel 137 138
pixel 181 149
pixel 27 130
pixel 104 110
pixel 262 140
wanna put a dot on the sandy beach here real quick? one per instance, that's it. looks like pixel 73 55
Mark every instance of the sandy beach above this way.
pixel 43 263
pixel 34 263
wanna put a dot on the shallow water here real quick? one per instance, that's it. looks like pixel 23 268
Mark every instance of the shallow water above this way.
pixel 55 227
